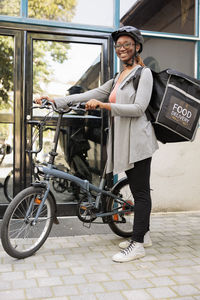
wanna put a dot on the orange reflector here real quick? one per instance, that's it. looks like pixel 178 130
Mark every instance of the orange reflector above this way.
pixel 37 201
pixel 83 207
pixel 115 217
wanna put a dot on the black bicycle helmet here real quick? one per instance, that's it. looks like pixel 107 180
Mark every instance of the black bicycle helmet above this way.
pixel 130 31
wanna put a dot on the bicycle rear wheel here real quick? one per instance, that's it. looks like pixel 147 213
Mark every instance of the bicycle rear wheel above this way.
pixel 19 235
pixel 122 223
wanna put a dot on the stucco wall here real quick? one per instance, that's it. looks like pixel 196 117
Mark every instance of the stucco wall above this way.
pixel 175 176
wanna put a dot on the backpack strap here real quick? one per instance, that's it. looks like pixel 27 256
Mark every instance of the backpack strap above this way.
pixel 136 80
pixel 136 77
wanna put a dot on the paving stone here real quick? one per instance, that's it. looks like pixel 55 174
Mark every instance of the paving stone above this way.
pixel 5 285
pixel 161 293
pixel 162 281
pixel 115 285
pixel 82 270
pixel 10 276
pixel 65 290
pixel 12 295
pixel 82 297
pixel 52 281
pixel 183 278
pixel 119 275
pixel 21 284
pixel 38 293
pixel 139 295
pixel 88 288
pixel 36 274
pixel 97 277
pixel 110 296
pixel 186 290
pixel 139 283
pixel 74 279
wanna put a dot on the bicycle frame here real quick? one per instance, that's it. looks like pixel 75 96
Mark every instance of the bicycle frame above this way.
pixel 50 171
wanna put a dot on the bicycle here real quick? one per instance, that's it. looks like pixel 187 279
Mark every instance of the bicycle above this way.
pixel 28 219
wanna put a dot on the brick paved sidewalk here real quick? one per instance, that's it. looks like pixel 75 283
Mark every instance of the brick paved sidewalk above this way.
pixel 80 267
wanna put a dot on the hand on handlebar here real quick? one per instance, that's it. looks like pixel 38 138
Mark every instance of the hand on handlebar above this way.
pixel 93 104
pixel 40 100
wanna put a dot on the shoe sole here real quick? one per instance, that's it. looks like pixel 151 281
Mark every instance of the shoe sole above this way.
pixel 127 260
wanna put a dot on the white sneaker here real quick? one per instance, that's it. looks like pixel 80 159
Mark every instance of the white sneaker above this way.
pixel 133 251
pixel 147 242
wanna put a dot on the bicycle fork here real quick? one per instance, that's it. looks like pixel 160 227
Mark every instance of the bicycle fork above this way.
pixel 41 204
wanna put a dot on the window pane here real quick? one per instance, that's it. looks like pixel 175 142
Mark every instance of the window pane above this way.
pixel 160 54
pixel 6 74
pixel 58 66
pixel 172 16
pixel 6 162
pixel 59 69
pixel 93 12
pixel 10 7
pixel 125 5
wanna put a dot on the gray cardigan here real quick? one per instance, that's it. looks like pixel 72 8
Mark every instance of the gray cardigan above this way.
pixel 134 137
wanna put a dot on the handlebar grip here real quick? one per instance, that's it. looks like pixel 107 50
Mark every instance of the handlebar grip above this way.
pixel 81 105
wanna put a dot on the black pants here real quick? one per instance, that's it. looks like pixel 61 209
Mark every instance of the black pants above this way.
pixel 139 182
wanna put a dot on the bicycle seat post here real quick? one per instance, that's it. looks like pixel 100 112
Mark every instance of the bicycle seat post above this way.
pixel 53 152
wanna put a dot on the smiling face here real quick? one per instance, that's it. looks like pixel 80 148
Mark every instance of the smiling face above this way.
pixel 127 51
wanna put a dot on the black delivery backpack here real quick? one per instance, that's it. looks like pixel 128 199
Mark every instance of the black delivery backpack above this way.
pixel 174 108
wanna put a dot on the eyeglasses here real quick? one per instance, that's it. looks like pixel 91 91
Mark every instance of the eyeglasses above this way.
pixel 125 46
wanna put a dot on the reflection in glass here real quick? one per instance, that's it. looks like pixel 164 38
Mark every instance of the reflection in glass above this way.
pixel 61 69
pixel 57 66
pixel 172 16
pixel 160 54
pixel 6 74
pixel 10 7
pixel 93 12
pixel 6 162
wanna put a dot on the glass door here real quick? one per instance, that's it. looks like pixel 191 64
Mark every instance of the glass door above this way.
pixel 58 66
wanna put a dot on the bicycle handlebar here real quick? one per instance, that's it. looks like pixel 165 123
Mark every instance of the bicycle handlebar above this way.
pixel 70 106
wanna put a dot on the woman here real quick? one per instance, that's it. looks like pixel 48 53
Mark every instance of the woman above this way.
pixel 132 140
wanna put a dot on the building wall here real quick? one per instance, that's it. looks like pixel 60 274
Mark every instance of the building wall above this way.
pixel 175 176
pixel 171 32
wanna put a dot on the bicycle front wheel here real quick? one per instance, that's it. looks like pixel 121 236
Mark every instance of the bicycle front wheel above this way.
pixel 20 235
pixel 122 222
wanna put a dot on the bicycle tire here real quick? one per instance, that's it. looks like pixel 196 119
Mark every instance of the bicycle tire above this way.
pixel 60 185
pixel 19 236
pixel 121 224
pixel 6 187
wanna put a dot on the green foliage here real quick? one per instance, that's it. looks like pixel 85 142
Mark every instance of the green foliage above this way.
pixel 59 10
pixel 6 69
pixel 10 7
